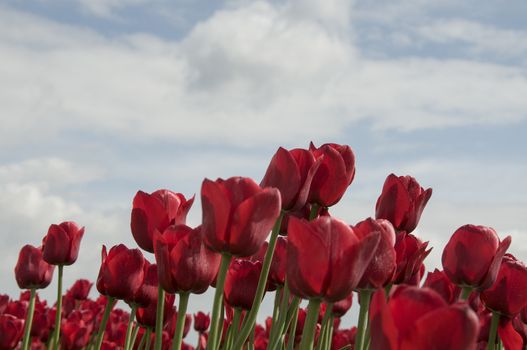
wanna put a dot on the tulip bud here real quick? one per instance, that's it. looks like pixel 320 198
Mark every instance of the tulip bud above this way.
pixel 241 283
pixel 61 245
pixel 201 322
pixel 31 271
pixel 80 289
pixel 11 329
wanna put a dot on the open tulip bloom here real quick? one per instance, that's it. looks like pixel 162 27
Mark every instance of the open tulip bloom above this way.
pixel 477 301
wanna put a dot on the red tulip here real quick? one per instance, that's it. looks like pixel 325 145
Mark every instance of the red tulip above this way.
pixel 11 329
pixel 439 282
pixel 410 253
pixel 201 322
pixel 341 307
pixel 237 214
pixel 380 271
pixel 326 258
pixel 171 324
pixel 333 176
pixel 75 333
pixel 61 245
pixel 401 202
pixel 291 172
pixel 121 272
pixel 241 283
pixel 80 289
pixel 31 271
pixel 278 264
pixel 147 316
pixel 473 255
pixel 508 295
pixel 147 292
pixel 184 263
pixel 419 319
pixel 4 300
pixel 157 211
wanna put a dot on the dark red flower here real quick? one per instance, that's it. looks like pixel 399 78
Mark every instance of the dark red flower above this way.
pixel 147 292
pixel 157 211
pixel 80 289
pixel 11 329
pixel 278 264
pixel 31 271
pixel 341 307
pixel 380 271
pixel 241 283
pixel 401 202
pixel 121 272
pixel 238 214
pixel 171 324
pixel 508 295
pixel 184 263
pixel 410 253
pixel 334 175
pixel 75 333
pixel 473 255
pixel 439 282
pixel 146 316
pixel 326 258
pixel 201 322
pixel 61 245
pixel 4 300
pixel 419 319
pixel 291 172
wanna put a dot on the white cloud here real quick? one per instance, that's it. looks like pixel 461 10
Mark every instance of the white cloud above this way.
pixel 107 8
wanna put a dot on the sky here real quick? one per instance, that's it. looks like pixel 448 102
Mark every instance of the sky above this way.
pixel 102 98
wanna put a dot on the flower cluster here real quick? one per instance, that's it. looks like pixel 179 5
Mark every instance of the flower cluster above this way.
pixel 276 237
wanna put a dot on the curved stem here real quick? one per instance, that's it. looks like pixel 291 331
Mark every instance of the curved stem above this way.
pixel 364 298
pixel 134 336
pixel 308 334
pixel 491 344
pixel 29 320
pixel 217 309
pixel 58 313
pixel 262 281
pixel 159 317
pixel 102 327
pixel 130 326
pixel 180 321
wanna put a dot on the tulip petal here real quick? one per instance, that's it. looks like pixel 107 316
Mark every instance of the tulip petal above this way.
pixel 216 208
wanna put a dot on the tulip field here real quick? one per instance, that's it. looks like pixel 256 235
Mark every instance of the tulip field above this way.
pixel 275 239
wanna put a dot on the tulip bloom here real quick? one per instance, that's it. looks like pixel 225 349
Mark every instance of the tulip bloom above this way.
pixel 341 307
pixel 201 322
pixel 31 271
pixel 80 289
pixel 410 253
pixel 291 172
pixel 402 202
pixel 147 316
pixel 241 283
pixel 333 176
pixel 157 211
pixel 419 319
pixel 10 331
pixel 184 263
pixel 121 272
pixel 61 245
pixel 508 294
pixel 439 282
pixel 326 258
pixel 238 214
pixel 473 255
pixel 147 292
pixel 382 266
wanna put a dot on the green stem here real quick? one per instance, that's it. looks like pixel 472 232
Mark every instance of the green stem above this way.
pixel 233 328
pixel 143 340
pixel 134 336
pixel 58 313
pixel 102 327
pixel 293 320
pixel 364 298
pixel 325 327
pixel 29 320
pixel 130 327
pixel 280 308
pixel 266 266
pixel 465 293
pixel 308 333
pixel 329 333
pixel 148 338
pixel 212 344
pixel 314 211
pixel 159 318
pixel 491 344
pixel 277 297
pixel 180 321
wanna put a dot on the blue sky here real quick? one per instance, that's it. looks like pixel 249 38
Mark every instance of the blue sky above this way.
pixel 102 98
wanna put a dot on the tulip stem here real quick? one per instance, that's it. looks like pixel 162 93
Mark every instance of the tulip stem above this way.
pixel 149 338
pixel 491 344
pixel 465 293
pixel 308 333
pixel 29 320
pixel 130 327
pixel 294 319
pixel 280 319
pixel 321 344
pixel 180 321
pixel 262 282
pixel 102 326
pixel 314 211
pixel 58 313
pixel 134 336
pixel 143 340
pixel 159 317
pixel 217 308
pixel 364 299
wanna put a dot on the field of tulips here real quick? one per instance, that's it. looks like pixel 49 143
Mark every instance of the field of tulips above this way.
pixel 277 237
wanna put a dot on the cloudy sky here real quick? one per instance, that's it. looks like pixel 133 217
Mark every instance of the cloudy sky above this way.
pixel 101 98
